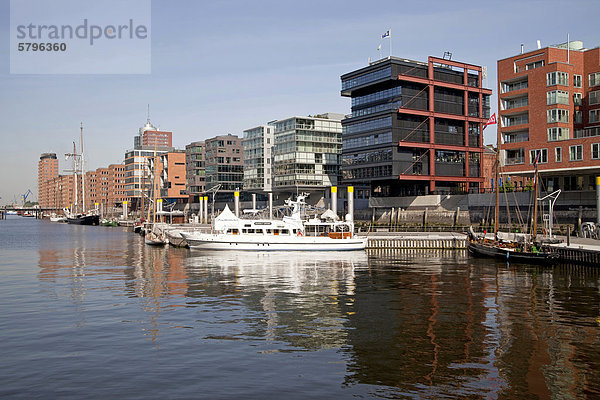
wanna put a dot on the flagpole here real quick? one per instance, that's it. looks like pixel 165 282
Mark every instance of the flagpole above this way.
pixel 390 43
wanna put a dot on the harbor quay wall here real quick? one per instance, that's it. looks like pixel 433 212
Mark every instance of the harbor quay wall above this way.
pixel 571 208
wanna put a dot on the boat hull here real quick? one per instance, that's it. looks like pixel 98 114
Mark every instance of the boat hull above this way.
pixel 206 241
pixel 483 250
pixel 84 220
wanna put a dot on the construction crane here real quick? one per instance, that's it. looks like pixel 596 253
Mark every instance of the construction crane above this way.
pixel 24 196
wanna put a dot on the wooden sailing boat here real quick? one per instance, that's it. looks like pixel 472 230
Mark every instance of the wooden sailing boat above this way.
pixel 73 216
pixel 524 250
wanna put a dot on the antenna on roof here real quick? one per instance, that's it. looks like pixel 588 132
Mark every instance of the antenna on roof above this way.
pixel 539 43
pixel 148 119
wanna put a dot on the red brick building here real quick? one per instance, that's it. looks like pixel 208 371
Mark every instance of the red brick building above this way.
pixel 105 187
pixel 47 170
pixel 549 103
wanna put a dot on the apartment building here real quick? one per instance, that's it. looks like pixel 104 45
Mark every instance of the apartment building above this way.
pixel 549 105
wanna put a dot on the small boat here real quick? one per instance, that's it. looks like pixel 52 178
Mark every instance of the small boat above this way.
pixel 291 233
pixel 109 222
pixel 154 239
pixel 57 218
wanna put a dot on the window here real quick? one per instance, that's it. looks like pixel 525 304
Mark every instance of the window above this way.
pixel 558 133
pixel 594 79
pixel 594 116
pixel 594 97
pixel 516 156
pixel 535 64
pixel 576 153
pixel 558 154
pixel 577 99
pixel 578 117
pixel 558 115
pixel 557 78
pixel 557 97
pixel 541 154
pixel 577 80
pixel 595 151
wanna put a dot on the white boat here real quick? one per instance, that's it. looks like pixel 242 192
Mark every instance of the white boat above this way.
pixel 291 233
pixel 57 218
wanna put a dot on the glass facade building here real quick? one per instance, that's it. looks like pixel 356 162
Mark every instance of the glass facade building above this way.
pixel 415 127
pixel 307 153
pixel 258 146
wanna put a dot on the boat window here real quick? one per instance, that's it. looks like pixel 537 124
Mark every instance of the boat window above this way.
pixel 244 230
pixel 285 232
pixel 250 230
pixel 234 231
pixel 269 231
pixel 276 231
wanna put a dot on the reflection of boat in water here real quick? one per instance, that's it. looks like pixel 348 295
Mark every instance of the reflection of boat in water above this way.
pixel 290 233
pixel 262 268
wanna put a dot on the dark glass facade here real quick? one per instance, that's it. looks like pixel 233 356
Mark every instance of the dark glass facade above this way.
pixel 415 127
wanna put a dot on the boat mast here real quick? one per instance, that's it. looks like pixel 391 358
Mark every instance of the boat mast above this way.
pixel 82 171
pixel 535 203
pixel 497 186
pixel 74 210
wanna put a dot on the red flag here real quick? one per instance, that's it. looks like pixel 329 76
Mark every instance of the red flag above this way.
pixel 491 121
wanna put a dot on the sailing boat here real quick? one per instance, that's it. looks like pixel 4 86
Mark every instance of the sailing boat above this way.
pixel 152 238
pixel 522 250
pixel 83 218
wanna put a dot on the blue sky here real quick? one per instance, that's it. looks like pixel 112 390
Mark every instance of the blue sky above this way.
pixel 222 67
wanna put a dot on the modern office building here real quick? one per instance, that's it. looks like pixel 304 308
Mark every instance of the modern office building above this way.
pixel 195 170
pixel 47 170
pixel 224 164
pixel 307 153
pixel 549 104
pixel 415 127
pixel 258 150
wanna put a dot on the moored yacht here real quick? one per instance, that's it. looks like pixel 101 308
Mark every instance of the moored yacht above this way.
pixel 291 233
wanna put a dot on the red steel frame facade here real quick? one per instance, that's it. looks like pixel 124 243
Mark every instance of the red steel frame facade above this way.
pixel 431 114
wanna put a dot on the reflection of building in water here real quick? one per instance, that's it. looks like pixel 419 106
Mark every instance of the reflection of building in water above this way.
pixel 547 337
pixel 292 298
pixel 472 330
pixel 413 323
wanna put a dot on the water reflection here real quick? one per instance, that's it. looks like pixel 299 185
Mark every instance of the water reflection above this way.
pixel 294 298
pixel 410 325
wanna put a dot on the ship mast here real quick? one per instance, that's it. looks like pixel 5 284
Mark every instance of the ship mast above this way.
pixel 82 171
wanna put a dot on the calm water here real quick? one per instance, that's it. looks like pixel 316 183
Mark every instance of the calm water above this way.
pixel 91 312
